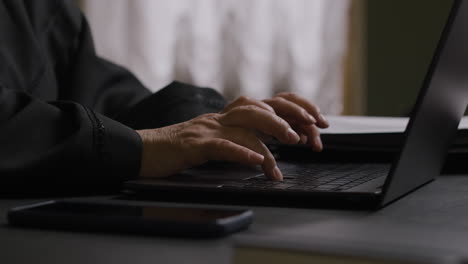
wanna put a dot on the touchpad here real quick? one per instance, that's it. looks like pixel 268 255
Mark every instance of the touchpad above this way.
pixel 209 174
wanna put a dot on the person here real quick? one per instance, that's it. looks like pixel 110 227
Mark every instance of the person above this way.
pixel 71 121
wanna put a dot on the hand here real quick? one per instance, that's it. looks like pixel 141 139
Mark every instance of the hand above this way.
pixel 231 135
pixel 303 116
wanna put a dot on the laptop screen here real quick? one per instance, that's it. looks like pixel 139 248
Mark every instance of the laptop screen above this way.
pixel 437 113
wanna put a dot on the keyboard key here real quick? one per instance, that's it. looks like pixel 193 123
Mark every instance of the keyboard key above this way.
pixel 282 186
pixel 320 188
pixel 319 177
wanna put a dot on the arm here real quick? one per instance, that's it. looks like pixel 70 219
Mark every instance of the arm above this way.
pixel 186 136
pixel 52 86
pixel 64 145
pixel 61 147
pixel 56 131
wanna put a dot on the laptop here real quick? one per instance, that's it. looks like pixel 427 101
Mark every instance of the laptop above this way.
pixel 346 183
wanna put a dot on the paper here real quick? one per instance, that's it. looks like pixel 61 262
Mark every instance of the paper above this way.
pixel 371 124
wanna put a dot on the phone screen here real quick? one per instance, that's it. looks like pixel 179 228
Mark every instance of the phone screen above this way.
pixel 145 212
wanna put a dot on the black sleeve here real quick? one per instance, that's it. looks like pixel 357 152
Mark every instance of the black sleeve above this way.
pixel 53 140
pixel 115 92
pixel 71 143
pixel 175 103
pixel 61 148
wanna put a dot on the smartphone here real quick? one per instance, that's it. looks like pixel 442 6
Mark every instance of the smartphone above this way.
pixel 123 218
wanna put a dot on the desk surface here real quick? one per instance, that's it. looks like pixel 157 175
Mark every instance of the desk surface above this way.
pixel 443 203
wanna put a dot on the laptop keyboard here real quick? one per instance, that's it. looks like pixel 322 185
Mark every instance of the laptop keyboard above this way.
pixel 316 177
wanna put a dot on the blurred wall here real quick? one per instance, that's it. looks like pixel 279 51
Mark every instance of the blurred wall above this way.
pixel 354 79
pixel 391 43
pixel 239 47
pixel 401 38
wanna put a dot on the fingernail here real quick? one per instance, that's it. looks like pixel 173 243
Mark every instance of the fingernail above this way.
pixel 318 144
pixel 323 119
pixel 303 139
pixel 277 173
pixel 310 117
pixel 293 136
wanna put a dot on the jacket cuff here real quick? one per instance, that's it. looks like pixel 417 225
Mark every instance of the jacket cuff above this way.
pixel 120 151
pixel 175 103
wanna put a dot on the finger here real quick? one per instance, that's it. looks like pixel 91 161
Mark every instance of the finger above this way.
pixel 221 149
pixel 303 138
pixel 248 139
pixel 322 122
pixel 289 110
pixel 244 100
pixel 264 137
pixel 313 136
pixel 252 117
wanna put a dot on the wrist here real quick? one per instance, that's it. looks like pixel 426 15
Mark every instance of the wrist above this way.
pixel 144 154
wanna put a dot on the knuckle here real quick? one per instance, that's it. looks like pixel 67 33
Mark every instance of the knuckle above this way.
pixel 244 98
pixel 243 134
pixel 279 99
pixel 209 116
pixel 314 108
pixel 270 109
pixel 219 145
pixel 251 108
pixel 189 134
pixel 207 120
pixel 286 94
pixel 250 136
pixel 191 141
pixel 266 104
pixel 280 121
pixel 245 109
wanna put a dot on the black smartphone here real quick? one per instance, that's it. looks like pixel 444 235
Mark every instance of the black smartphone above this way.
pixel 148 220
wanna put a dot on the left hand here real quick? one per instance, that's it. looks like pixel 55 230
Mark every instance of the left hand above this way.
pixel 303 116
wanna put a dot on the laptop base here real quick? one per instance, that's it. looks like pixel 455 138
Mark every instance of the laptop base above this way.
pixel 320 200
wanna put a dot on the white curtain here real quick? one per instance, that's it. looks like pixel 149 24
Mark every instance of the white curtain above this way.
pixel 239 47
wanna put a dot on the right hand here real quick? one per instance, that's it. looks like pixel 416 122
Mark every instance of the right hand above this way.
pixel 229 136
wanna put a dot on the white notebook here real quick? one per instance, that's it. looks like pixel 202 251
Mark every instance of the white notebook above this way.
pixel 377 133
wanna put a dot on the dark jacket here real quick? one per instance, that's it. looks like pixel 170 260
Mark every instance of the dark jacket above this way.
pixel 67 116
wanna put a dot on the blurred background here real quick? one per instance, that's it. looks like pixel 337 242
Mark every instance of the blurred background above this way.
pixel 350 57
